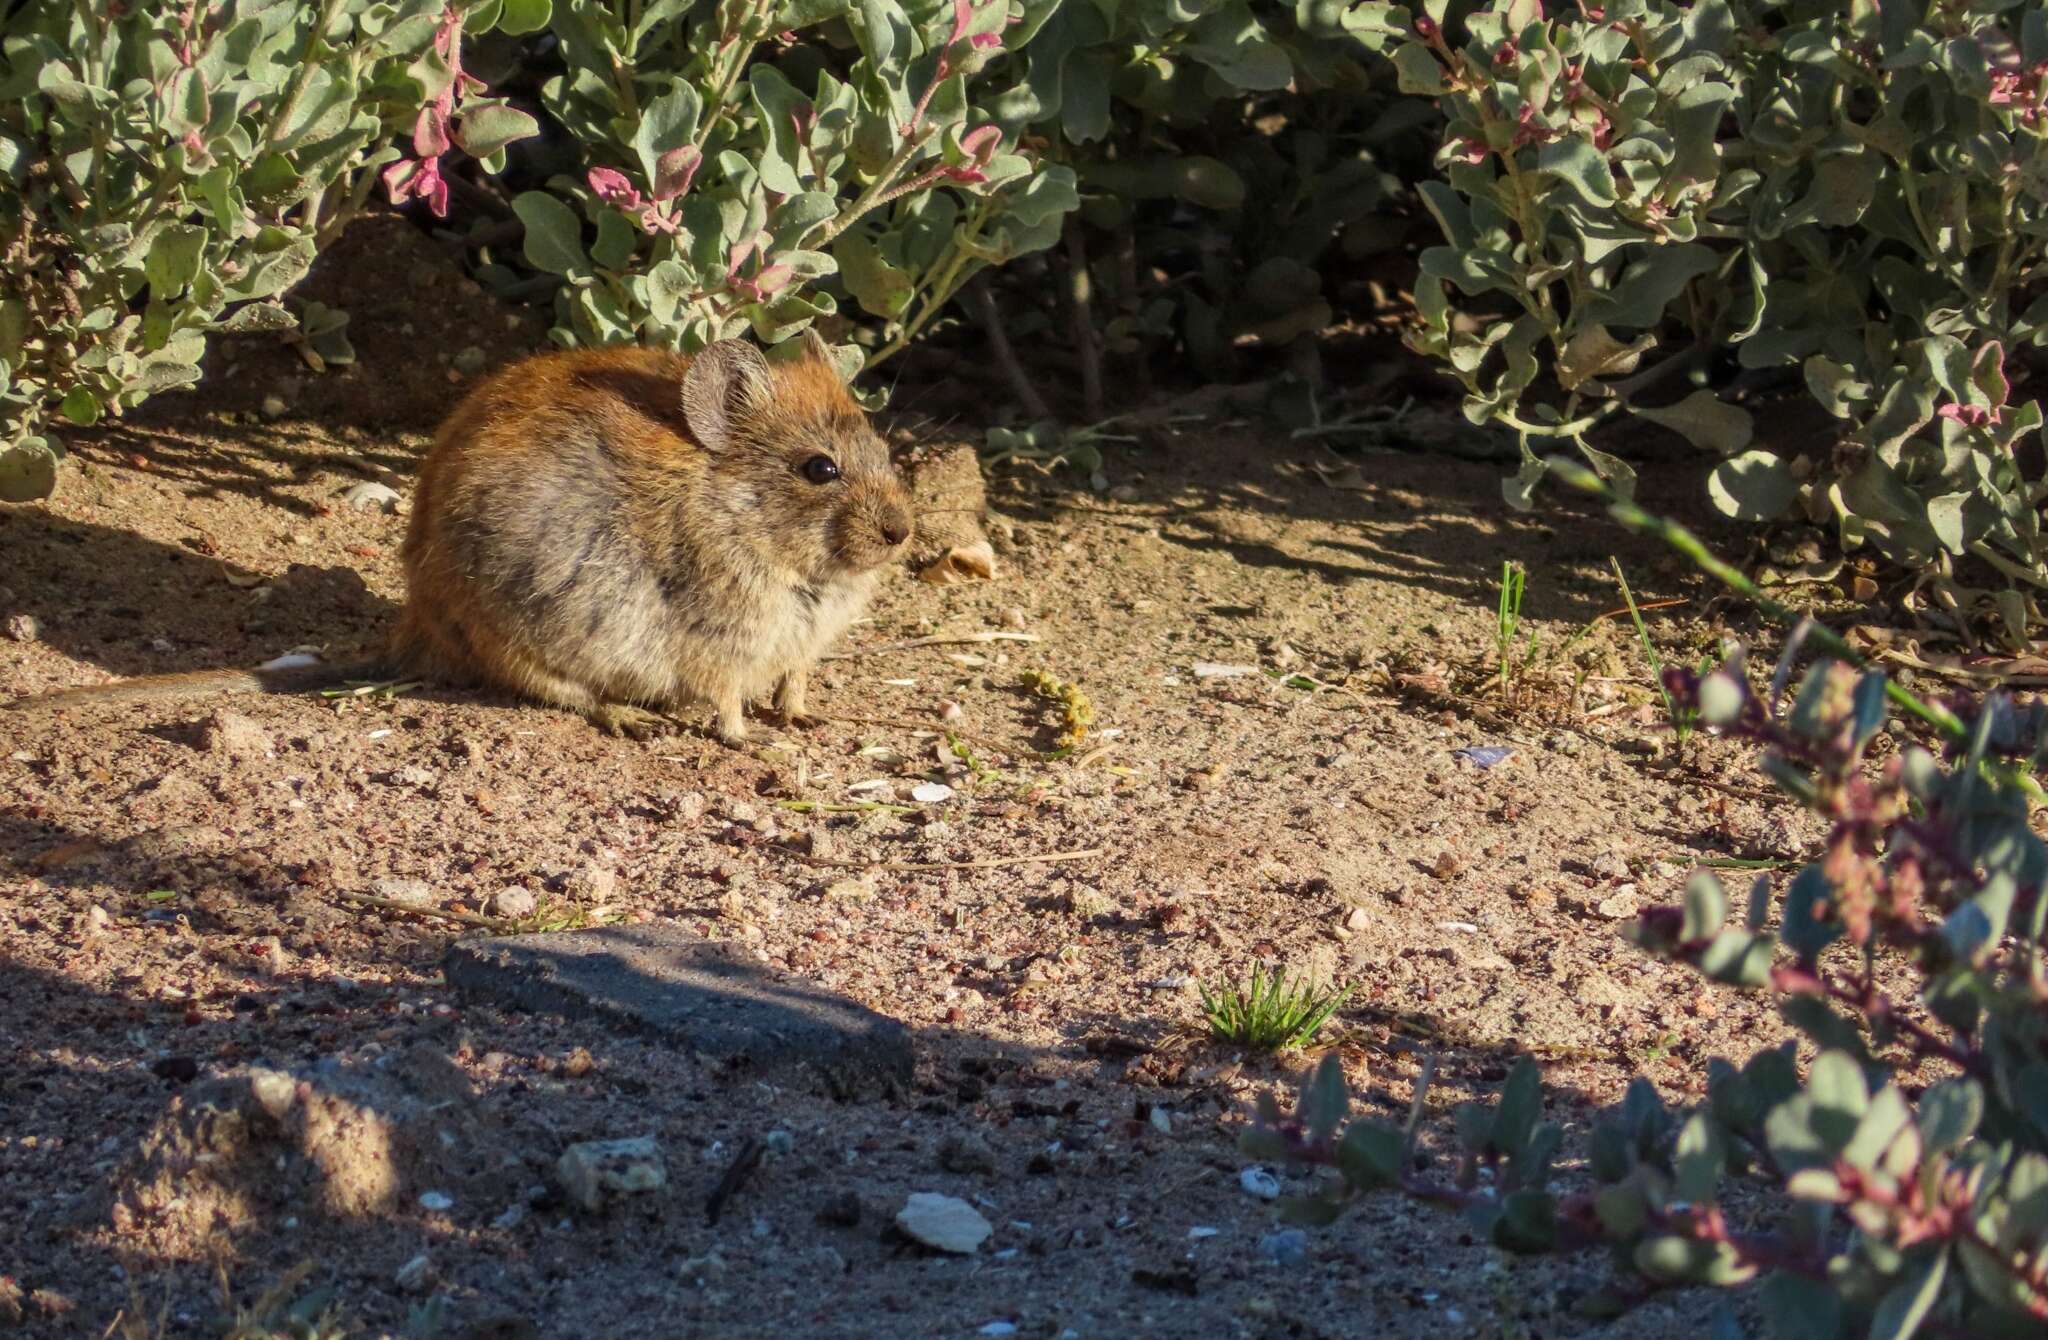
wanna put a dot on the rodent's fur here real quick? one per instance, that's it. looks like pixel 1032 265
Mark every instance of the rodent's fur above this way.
pixel 614 530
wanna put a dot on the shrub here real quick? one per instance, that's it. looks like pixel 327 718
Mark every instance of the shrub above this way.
pixel 1914 1151
pixel 168 171
pixel 742 173
pixel 1852 193
pixel 1225 152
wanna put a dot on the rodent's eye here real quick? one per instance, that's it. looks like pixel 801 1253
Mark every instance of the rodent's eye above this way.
pixel 821 469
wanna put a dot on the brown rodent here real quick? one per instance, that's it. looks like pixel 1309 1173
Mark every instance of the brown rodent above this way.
pixel 618 530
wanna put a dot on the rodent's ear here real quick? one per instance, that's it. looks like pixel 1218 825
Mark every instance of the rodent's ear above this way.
pixel 725 382
pixel 815 348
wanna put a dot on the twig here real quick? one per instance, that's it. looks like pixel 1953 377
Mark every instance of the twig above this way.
pixel 991 318
pixel 446 914
pixel 940 640
pixel 1081 321
pixel 743 1165
pixel 986 863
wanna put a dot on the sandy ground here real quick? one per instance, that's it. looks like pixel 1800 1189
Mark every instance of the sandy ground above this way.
pixel 176 895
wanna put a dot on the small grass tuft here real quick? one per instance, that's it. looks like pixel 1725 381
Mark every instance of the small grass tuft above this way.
pixel 1269 1013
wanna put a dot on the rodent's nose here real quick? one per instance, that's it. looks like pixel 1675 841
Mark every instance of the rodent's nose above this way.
pixel 896 529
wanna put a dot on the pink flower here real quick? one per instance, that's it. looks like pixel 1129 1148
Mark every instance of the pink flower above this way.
pixel 418 178
pixel 963 15
pixel 430 132
pixel 980 145
pixel 1970 416
pixel 612 187
pixel 1470 149
pixel 675 170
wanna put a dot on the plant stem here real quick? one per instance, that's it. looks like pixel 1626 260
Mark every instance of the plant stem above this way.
pixel 991 318
pixel 288 106
pixel 1081 320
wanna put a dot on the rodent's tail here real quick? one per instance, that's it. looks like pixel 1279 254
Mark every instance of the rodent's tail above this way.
pixel 292 677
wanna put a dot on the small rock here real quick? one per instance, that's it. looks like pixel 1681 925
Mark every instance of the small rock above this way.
pixel 600 1170
pixel 413 1275
pixel 23 627
pixel 514 902
pixel 1014 618
pixel 688 807
pixel 470 360
pixel 840 1210
pixel 999 1328
pixel 274 406
pixel 1619 905
pixel 236 736
pixel 1200 1231
pixel 175 1069
pixel 439 1202
pixel 1358 920
pixel 966 1154
pixel 96 920
pixel 780 1142
pixel 408 892
pixel 369 494
pixel 931 793
pixel 1609 865
pixel 944 1223
pixel 1284 1247
pixel 1258 1182
pixel 594 884
pixel 274 1091
pixel 1161 1121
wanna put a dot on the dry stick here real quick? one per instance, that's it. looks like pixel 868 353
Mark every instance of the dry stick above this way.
pixel 986 863
pixel 393 905
pixel 1081 321
pixel 743 1165
pixel 991 318
pixel 941 640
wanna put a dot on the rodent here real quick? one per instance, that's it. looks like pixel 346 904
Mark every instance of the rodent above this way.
pixel 623 531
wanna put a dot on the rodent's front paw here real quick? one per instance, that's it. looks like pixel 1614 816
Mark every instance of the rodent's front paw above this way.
pixel 635 722
pixel 800 720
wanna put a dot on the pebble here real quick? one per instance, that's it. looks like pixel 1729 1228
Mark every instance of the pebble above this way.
pixel 931 793
pixel 1200 1231
pixel 273 406
pixel 1284 1247
pixel 1258 1182
pixel 999 1328
pixel 437 1201
pixel 600 1170
pixel 413 1275
pixel 274 1091
pixel 410 892
pixel 514 901
pixel 1609 865
pixel 1013 617
pixel 23 627
pixel 1358 920
pixel 1620 905
pixel 966 1154
pixel 1162 1121
pixel 780 1142
pixel 372 494
pixel 944 1223
pixel 469 360
pixel 236 736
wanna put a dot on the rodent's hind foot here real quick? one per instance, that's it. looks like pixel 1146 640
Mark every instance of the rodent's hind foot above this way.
pixel 621 719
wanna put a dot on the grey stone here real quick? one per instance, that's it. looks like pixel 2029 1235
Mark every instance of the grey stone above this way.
pixel 712 996
pixel 944 1223
pixel 598 1171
